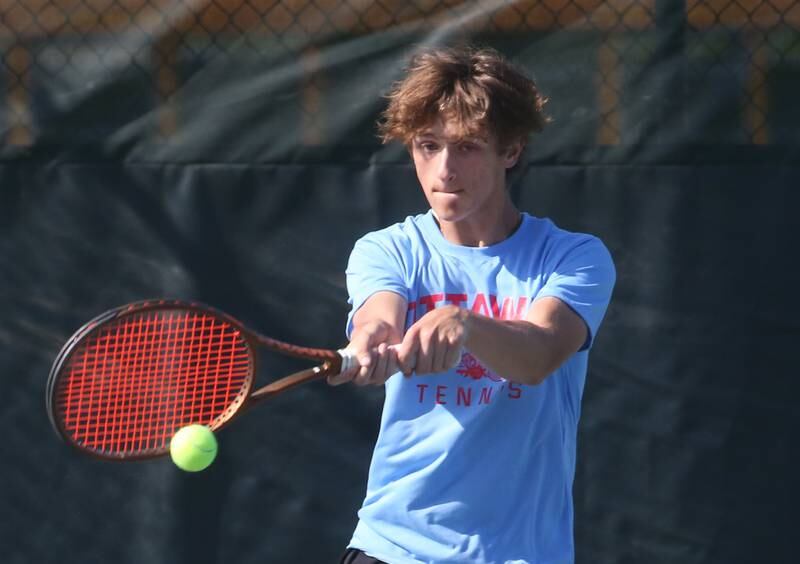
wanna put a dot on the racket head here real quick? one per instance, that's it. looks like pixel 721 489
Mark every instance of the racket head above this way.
pixel 127 380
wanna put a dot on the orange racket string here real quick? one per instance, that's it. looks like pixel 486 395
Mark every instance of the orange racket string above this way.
pixel 128 387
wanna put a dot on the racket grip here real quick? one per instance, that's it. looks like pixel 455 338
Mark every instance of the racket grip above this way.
pixel 349 360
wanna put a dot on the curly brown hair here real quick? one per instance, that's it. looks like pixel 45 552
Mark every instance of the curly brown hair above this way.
pixel 475 88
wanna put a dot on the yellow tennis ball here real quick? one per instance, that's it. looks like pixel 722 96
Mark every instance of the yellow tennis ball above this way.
pixel 193 448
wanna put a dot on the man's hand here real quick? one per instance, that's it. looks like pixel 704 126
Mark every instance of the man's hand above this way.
pixel 433 344
pixel 377 325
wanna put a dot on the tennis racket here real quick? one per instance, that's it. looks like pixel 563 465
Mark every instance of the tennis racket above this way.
pixel 130 378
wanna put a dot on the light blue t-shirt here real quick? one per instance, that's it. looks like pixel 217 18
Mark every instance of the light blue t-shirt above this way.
pixel 469 467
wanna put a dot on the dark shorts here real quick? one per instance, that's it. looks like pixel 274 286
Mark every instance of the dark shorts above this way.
pixel 355 556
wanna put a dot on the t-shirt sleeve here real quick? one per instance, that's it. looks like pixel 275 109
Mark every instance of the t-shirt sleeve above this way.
pixel 375 265
pixel 583 277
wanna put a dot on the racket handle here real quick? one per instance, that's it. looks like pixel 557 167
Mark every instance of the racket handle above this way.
pixel 349 360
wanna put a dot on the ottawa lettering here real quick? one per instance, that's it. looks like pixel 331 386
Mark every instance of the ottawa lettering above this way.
pixel 489 305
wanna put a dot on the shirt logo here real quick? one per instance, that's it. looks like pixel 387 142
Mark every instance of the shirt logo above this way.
pixel 470 367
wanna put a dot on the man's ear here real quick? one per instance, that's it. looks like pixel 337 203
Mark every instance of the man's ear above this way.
pixel 512 153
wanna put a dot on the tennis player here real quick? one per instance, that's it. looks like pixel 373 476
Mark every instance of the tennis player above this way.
pixel 489 313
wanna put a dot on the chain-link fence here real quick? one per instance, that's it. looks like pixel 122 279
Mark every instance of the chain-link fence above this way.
pixel 634 71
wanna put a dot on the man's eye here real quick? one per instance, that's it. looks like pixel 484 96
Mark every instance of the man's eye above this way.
pixel 466 147
pixel 428 146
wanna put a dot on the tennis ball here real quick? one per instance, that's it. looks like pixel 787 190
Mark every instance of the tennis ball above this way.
pixel 193 448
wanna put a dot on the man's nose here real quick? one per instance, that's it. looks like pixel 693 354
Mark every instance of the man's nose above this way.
pixel 446 172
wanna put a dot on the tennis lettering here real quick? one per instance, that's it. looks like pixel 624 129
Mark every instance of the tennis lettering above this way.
pixel 466 396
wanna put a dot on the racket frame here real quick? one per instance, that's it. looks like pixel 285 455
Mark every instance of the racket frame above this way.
pixel 332 362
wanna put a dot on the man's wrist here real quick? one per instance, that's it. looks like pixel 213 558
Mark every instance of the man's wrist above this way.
pixel 468 320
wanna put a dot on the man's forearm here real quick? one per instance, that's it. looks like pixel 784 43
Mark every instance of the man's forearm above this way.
pixel 518 350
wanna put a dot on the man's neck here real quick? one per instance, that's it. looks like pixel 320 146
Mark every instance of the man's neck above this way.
pixel 489 229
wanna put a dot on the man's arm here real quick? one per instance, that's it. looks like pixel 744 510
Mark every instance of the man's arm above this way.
pixel 528 351
pixel 524 351
pixel 378 323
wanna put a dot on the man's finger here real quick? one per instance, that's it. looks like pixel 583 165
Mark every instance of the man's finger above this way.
pixel 367 362
pixel 439 363
pixel 425 356
pixel 407 355
pixel 381 365
pixel 453 356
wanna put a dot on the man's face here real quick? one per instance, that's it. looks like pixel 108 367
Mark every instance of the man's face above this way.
pixel 461 177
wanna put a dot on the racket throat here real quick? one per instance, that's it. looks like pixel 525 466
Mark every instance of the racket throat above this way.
pixel 291 381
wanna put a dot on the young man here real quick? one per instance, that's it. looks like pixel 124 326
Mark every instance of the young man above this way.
pixel 489 313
